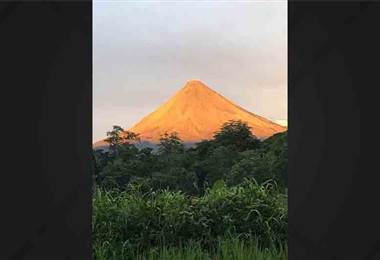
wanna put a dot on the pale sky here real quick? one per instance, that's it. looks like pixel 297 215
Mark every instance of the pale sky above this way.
pixel 144 51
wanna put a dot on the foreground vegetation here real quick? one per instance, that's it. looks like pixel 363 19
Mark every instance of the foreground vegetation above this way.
pixel 226 249
pixel 225 198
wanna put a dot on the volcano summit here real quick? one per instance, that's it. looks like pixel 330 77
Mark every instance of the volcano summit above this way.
pixel 196 112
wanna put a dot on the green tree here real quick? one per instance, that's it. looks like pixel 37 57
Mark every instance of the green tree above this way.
pixel 276 147
pixel 170 143
pixel 115 174
pixel 100 160
pixel 218 163
pixel 236 135
pixel 268 162
pixel 253 165
pixel 204 148
pixel 176 178
pixel 118 137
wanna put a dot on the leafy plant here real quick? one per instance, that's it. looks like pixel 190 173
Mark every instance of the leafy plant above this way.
pixel 142 220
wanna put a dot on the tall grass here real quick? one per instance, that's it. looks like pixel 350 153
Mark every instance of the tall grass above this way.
pixel 248 221
pixel 227 249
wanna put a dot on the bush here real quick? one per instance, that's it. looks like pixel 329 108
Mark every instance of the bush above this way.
pixel 135 221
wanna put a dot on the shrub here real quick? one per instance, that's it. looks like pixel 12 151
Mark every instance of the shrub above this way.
pixel 136 220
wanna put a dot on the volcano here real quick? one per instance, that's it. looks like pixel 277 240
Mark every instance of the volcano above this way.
pixel 196 112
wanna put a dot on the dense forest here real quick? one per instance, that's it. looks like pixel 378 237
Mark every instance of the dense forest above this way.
pixel 224 198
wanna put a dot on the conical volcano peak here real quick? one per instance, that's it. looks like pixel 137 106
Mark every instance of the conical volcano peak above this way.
pixel 196 112
pixel 195 84
pixel 195 88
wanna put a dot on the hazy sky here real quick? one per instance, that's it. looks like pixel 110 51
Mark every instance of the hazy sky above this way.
pixel 144 51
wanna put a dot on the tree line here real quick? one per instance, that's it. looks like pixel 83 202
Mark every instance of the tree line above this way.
pixel 231 156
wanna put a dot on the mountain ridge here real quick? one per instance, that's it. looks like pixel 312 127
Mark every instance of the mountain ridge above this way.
pixel 196 112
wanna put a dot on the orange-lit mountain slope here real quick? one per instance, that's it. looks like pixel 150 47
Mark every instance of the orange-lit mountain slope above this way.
pixel 195 112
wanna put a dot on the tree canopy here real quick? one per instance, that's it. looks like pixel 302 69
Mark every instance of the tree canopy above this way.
pixel 233 154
